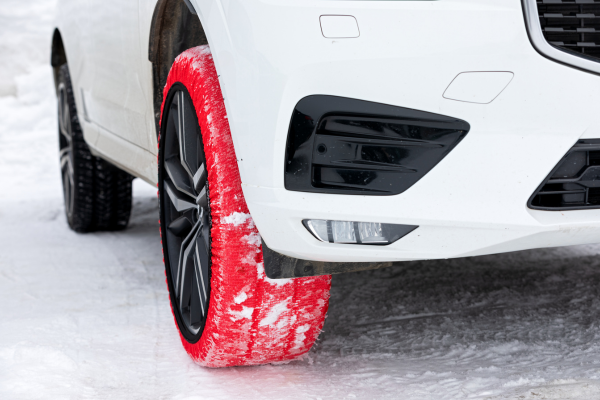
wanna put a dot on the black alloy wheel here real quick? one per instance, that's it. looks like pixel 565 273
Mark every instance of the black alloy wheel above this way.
pixel 77 165
pixel 185 213
pixel 66 149
pixel 218 290
pixel 97 195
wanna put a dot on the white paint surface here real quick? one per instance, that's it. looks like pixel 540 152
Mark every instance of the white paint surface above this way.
pixel 339 26
pixel 472 203
pixel 478 87
pixel 87 316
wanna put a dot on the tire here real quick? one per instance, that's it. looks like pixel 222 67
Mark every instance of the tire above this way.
pixel 97 195
pixel 227 311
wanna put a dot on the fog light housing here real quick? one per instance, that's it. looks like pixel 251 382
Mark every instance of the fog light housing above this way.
pixel 352 232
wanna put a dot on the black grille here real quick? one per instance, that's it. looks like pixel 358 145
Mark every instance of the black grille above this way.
pixel 572 25
pixel 574 183
pixel 349 146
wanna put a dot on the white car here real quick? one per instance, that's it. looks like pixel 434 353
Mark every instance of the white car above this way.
pixel 351 134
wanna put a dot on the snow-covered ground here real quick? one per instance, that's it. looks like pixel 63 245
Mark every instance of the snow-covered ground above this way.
pixel 87 316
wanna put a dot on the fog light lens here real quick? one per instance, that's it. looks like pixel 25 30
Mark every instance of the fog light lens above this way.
pixel 318 227
pixel 371 232
pixel 343 232
pixel 351 232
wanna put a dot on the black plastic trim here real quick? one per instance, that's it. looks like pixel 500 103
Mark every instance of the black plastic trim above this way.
pixel 278 266
pixel 536 43
pixel 574 184
pixel 340 145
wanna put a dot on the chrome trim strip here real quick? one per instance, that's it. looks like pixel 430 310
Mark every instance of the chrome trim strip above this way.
pixel 534 28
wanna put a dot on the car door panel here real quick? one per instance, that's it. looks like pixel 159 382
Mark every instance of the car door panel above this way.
pixel 117 100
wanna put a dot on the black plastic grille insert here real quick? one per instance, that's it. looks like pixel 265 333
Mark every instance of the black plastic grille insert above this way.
pixel 572 25
pixel 574 184
pixel 349 146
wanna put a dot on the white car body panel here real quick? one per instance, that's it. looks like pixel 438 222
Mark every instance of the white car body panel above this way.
pixel 272 53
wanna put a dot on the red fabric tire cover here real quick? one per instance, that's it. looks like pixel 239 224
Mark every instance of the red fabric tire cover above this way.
pixel 251 318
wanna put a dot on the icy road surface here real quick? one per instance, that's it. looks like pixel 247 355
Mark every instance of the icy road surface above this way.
pixel 87 316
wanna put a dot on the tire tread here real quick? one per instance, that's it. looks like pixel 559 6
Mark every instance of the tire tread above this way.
pixel 103 192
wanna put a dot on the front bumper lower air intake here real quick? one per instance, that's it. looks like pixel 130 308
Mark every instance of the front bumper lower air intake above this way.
pixel 346 146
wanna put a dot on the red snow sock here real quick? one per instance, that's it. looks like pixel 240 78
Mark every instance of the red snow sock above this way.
pixel 251 318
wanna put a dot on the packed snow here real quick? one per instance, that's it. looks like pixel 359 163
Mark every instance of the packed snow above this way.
pixel 237 218
pixel 87 316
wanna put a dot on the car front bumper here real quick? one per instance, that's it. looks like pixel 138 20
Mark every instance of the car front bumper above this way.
pixel 270 54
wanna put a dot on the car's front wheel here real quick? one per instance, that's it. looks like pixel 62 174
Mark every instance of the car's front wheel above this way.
pixel 226 309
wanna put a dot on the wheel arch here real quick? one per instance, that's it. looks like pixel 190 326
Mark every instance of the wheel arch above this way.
pixel 174 29
pixel 58 56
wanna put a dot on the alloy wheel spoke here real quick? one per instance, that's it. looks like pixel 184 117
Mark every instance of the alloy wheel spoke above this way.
pixel 66 163
pixel 66 185
pixel 181 226
pixel 197 310
pixel 200 178
pixel 71 175
pixel 179 201
pixel 202 199
pixel 68 188
pixel 65 129
pixel 188 144
pixel 185 266
pixel 173 116
pixel 201 263
pixel 65 157
pixel 179 176
pixel 64 120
